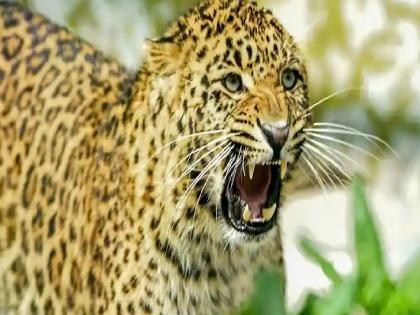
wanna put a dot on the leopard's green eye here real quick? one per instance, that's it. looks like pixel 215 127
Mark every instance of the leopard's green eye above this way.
pixel 233 82
pixel 289 78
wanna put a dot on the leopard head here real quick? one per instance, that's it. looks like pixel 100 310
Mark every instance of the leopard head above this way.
pixel 228 87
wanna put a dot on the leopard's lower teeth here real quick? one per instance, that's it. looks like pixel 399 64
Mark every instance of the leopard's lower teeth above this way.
pixel 246 215
pixel 269 212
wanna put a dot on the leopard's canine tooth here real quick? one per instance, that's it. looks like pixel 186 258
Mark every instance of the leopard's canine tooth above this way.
pixel 269 212
pixel 251 168
pixel 246 215
pixel 283 169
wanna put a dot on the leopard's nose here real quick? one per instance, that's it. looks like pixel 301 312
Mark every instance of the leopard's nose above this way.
pixel 276 134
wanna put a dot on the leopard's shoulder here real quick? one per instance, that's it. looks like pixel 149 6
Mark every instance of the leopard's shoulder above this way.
pixel 50 56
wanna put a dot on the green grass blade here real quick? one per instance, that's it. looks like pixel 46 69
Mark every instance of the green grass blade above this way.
pixel 374 282
pixel 366 241
pixel 340 301
pixel 309 306
pixel 268 298
pixel 312 252
pixel 406 299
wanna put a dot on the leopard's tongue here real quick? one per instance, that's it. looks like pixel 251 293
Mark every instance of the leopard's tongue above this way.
pixel 254 191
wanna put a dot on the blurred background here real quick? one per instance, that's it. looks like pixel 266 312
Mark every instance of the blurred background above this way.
pixel 365 54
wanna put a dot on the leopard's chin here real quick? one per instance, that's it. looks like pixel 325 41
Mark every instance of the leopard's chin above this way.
pixel 251 199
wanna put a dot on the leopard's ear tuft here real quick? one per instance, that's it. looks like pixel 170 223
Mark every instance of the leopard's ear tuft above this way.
pixel 163 55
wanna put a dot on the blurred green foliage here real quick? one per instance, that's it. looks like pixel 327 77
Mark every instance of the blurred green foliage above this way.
pixel 378 54
pixel 368 290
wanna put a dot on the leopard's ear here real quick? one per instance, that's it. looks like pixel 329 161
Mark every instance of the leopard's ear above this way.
pixel 163 55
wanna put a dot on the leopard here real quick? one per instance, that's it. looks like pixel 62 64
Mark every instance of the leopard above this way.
pixel 156 190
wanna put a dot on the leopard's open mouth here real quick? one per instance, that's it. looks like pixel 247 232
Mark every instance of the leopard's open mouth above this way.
pixel 250 199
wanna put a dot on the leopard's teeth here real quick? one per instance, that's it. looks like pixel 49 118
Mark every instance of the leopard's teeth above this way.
pixel 251 168
pixel 269 212
pixel 246 215
pixel 283 169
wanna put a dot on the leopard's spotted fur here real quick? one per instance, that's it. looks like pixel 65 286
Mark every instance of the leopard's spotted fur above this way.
pixel 93 212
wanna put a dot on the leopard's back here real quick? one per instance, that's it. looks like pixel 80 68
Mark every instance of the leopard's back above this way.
pixel 56 94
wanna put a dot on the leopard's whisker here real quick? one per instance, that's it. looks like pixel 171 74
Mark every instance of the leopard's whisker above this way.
pixel 315 162
pixel 230 170
pixel 324 167
pixel 238 163
pixel 226 172
pixel 345 143
pixel 186 172
pixel 304 172
pixel 182 138
pixel 312 25
pixel 224 139
pixel 196 134
pixel 328 149
pixel 320 164
pixel 352 131
pixel 202 172
pixel 341 132
pixel 229 166
pixel 314 171
pixel 334 160
pixel 338 164
pixel 191 167
pixel 214 162
pixel 201 193
pixel 308 111
pixel 219 139
pixel 199 198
